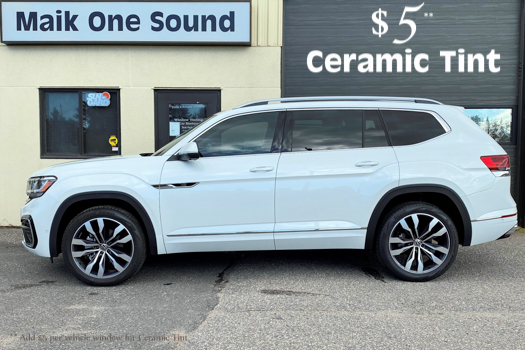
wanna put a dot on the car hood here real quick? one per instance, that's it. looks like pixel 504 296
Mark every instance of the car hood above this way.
pixel 146 168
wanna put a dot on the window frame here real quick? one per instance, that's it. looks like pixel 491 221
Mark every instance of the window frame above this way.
pixel 287 140
pixel 80 155
pixel 513 122
pixel 276 141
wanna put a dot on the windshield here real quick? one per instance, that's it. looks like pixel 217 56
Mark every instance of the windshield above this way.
pixel 172 143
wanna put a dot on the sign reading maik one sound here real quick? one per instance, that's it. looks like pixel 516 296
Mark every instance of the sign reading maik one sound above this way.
pixel 126 22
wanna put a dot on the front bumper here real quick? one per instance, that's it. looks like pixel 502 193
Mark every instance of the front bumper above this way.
pixel 28 232
pixel 41 212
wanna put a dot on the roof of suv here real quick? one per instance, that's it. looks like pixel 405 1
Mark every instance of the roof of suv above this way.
pixel 340 99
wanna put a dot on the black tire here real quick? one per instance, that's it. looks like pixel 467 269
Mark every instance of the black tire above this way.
pixel 118 260
pixel 392 238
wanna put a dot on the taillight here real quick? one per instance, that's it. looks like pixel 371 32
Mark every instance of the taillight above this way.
pixel 499 165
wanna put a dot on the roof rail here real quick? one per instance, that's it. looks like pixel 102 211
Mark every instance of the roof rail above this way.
pixel 340 98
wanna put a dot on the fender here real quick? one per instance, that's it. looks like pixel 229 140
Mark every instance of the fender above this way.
pixel 380 207
pixel 150 231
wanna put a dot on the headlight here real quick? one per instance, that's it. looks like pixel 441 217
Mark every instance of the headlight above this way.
pixel 37 186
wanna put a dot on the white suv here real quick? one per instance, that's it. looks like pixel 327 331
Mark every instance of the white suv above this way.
pixel 411 178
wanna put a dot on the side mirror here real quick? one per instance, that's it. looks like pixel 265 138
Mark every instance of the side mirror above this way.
pixel 189 152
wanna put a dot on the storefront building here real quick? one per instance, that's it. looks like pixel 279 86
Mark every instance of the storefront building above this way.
pixel 127 85
pixel 52 93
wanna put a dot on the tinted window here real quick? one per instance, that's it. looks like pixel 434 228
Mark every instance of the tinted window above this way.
pixel 374 132
pixel 79 123
pixel 61 123
pixel 408 128
pixel 249 134
pixel 327 130
pixel 99 124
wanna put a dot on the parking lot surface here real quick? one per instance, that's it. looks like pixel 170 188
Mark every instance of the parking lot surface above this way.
pixel 266 300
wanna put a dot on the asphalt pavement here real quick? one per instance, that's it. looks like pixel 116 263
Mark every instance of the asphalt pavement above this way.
pixel 266 300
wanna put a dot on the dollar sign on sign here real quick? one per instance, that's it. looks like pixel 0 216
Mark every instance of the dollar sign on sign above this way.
pixel 383 27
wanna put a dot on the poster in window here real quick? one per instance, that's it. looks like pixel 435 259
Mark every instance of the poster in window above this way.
pixel 185 116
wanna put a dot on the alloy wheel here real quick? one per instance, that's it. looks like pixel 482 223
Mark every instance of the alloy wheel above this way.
pixel 102 248
pixel 419 243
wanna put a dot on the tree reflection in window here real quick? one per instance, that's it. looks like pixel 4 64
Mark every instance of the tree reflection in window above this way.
pixel 494 121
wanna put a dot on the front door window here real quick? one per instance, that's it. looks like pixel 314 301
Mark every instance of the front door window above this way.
pixel 249 134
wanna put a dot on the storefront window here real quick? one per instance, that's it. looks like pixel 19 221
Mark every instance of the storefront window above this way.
pixel 185 116
pixel 61 123
pixel 497 122
pixel 79 123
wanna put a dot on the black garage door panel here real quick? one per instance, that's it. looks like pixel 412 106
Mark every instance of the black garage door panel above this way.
pixel 346 27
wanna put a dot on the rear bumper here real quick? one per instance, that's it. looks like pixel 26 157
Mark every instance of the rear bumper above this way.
pixel 509 232
pixel 491 230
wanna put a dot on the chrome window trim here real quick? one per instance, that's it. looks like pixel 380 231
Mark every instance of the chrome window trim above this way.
pixel 440 119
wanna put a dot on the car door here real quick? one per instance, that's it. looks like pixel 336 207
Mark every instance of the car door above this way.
pixel 334 167
pixel 224 200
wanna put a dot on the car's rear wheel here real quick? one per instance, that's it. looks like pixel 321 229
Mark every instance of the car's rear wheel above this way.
pixel 104 246
pixel 417 241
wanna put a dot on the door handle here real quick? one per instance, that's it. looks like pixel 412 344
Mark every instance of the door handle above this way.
pixel 366 163
pixel 261 169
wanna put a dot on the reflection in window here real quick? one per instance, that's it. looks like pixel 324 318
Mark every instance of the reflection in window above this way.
pixel 249 134
pixel 61 117
pixel 374 132
pixel 494 121
pixel 327 130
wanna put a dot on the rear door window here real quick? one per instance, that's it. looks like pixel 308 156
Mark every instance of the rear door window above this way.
pixel 409 128
pixel 320 130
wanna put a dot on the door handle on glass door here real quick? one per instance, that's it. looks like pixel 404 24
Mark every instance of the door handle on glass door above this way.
pixel 366 163
pixel 261 169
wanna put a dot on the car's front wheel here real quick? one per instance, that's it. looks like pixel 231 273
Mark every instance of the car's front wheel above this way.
pixel 104 246
pixel 417 241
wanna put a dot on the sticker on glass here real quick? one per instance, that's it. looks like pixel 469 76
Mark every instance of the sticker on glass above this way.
pixel 113 141
pixel 95 99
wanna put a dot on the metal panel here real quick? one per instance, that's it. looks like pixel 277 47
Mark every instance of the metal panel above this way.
pixel 267 22
pixel 336 26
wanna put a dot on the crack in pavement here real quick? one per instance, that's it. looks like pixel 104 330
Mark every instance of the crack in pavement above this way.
pixel 218 286
pixel 289 292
